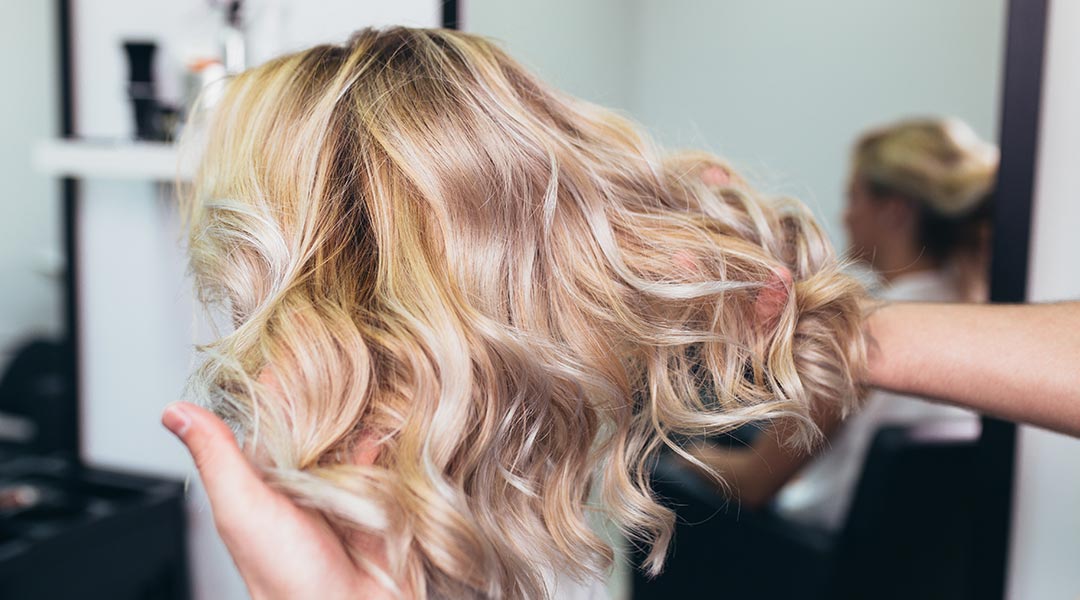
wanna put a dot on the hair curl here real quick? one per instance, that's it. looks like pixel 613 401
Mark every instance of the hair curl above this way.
pixel 508 291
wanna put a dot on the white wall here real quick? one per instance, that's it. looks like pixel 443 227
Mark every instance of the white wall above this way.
pixel 1045 540
pixel 137 314
pixel 30 248
pixel 783 87
pixel 583 47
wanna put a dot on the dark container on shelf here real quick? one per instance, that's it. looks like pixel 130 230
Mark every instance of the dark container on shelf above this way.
pixel 142 90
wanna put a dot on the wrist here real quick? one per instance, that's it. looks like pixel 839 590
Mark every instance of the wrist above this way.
pixel 880 330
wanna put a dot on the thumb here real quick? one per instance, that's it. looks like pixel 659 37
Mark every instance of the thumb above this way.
pixel 230 481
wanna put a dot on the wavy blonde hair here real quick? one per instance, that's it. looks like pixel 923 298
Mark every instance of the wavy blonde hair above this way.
pixel 508 291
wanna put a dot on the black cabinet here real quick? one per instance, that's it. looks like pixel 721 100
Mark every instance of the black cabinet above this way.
pixel 73 532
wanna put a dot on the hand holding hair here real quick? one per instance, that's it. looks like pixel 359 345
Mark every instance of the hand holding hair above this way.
pixel 281 550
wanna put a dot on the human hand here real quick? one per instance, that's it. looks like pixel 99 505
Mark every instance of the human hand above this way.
pixel 281 550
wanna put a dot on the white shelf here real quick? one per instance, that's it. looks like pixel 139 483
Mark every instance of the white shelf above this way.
pixel 105 159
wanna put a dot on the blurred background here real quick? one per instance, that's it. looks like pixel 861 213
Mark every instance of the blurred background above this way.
pixel 97 322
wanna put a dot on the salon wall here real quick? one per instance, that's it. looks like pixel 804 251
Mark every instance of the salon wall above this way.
pixel 30 251
pixel 783 87
pixel 137 316
pixel 584 48
pixel 1046 521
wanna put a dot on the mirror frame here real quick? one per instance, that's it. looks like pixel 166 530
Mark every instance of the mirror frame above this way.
pixel 1018 140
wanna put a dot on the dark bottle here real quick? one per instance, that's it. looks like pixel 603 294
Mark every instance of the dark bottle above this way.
pixel 141 90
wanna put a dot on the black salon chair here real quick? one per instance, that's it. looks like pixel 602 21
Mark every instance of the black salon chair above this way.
pixel 908 533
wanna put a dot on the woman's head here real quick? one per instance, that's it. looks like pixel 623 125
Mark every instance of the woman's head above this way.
pixel 509 292
pixel 920 187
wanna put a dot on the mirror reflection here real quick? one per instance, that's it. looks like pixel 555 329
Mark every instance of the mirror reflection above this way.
pixel 883 118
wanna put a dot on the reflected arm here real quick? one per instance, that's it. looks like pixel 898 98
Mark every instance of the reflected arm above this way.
pixel 755 474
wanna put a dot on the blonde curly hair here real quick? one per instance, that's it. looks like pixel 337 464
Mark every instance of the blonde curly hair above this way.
pixel 508 293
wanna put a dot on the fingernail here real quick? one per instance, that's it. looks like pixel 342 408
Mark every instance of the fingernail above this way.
pixel 176 420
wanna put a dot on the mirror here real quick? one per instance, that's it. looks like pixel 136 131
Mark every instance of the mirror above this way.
pixel 867 112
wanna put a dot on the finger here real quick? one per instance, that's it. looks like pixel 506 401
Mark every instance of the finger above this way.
pixel 231 482
pixel 716 176
pixel 366 451
pixel 772 298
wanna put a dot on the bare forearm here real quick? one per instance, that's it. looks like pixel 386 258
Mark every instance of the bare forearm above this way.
pixel 1019 362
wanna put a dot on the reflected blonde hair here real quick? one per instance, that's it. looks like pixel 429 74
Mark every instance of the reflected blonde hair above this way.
pixel 939 162
pixel 509 290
